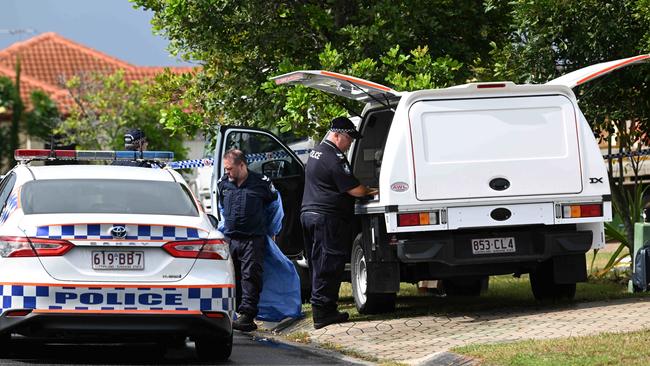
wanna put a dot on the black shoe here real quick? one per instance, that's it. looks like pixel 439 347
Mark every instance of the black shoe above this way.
pixel 244 323
pixel 323 319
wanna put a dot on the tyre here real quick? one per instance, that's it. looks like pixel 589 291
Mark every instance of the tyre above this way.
pixel 544 287
pixel 465 286
pixel 366 303
pixel 5 343
pixel 213 348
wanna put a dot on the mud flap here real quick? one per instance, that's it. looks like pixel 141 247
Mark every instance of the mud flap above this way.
pixel 569 269
pixel 381 263
pixel 383 277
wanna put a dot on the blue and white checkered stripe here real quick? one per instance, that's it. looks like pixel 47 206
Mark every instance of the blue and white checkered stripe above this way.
pixel 12 204
pixel 133 232
pixel 49 297
pixel 198 163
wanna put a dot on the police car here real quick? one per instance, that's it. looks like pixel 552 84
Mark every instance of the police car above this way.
pixel 122 252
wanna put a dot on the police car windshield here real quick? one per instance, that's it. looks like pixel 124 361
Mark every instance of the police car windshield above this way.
pixel 114 196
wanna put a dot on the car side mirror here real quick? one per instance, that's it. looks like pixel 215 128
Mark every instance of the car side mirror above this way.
pixel 213 220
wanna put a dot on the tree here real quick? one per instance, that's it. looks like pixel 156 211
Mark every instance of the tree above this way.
pixel 36 122
pixel 106 106
pixel 242 44
pixel 550 38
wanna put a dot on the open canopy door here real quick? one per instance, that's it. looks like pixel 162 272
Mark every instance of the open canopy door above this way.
pixel 346 86
pixel 592 72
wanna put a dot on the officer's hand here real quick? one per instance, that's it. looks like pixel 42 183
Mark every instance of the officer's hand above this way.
pixel 372 191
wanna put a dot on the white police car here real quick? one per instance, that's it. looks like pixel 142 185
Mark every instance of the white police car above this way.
pixel 111 252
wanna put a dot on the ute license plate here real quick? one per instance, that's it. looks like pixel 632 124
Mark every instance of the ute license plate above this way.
pixel 126 260
pixel 493 245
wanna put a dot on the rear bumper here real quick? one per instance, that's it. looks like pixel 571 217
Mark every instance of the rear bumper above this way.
pixel 141 327
pixel 533 244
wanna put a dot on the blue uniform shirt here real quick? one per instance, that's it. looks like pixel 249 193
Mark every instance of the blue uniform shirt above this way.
pixel 243 206
pixel 328 178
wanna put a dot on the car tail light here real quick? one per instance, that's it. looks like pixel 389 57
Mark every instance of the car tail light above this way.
pixel 205 249
pixel 418 218
pixel 16 246
pixel 582 210
pixel 22 312
pixel 213 314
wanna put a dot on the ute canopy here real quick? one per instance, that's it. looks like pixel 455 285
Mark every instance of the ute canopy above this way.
pixel 334 83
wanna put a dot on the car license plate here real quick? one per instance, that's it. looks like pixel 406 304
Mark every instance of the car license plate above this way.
pixel 127 259
pixel 493 245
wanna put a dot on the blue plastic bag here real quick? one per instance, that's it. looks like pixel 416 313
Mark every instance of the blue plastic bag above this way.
pixel 280 297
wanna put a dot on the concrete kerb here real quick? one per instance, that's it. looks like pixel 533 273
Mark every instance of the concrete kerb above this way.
pixel 277 332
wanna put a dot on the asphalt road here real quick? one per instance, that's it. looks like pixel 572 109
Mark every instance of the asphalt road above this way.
pixel 247 350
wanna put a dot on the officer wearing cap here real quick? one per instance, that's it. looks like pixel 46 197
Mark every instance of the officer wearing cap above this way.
pixel 134 140
pixel 326 217
pixel 243 196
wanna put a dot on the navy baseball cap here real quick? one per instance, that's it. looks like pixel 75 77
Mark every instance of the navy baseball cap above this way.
pixel 134 135
pixel 343 124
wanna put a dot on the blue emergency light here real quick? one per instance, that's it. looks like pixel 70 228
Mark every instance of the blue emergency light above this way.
pixel 91 155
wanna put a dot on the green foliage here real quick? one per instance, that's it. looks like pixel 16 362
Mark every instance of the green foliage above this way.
pixel 44 116
pixel 36 122
pixel 241 45
pixel 106 106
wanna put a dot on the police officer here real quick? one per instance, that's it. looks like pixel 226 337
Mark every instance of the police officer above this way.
pixel 243 195
pixel 326 216
pixel 134 140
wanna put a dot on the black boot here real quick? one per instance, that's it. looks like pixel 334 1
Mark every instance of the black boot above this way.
pixel 244 323
pixel 325 316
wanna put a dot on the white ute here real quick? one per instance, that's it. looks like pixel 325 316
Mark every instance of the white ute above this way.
pixel 475 180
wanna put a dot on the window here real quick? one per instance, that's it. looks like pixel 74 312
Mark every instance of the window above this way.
pixel 114 196
pixel 370 149
pixel 265 154
pixel 6 186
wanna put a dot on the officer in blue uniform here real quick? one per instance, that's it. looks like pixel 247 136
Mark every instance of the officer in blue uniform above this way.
pixel 326 217
pixel 243 195
pixel 134 140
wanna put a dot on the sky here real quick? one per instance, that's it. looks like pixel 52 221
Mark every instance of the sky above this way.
pixel 110 26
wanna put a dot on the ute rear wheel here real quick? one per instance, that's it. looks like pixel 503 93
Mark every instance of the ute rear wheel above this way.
pixel 366 302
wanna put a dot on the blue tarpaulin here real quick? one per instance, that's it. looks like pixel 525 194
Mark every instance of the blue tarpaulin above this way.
pixel 280 296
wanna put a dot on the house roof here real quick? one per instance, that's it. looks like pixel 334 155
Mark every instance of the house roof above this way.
pixel 48 60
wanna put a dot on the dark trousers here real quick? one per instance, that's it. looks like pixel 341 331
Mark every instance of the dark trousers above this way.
pixel 247 256
pixel 327 243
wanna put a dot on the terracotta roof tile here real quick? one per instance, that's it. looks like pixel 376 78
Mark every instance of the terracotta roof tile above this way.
pixel 48 59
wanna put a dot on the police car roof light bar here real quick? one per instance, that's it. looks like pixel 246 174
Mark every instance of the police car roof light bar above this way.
pixel 24 155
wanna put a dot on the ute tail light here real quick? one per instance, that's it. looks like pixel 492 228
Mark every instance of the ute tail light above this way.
pixel 571 211
pixel 203 248
pixel 16 246
pixel 418 218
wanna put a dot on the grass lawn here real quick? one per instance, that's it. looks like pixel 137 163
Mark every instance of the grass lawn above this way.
pixel 605 349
